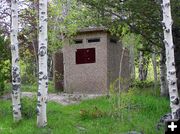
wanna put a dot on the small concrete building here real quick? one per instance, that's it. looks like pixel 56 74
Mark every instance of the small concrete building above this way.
pixel 91 63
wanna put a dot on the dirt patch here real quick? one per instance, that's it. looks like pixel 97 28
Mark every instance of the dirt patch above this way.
pixel 62 98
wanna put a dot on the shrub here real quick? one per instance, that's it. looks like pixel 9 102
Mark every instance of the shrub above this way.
pixel 91 113
pixel 28 107
pixel 143 84
pixel 4 63
pixel 2 85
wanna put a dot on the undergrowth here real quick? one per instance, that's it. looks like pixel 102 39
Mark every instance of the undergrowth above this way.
pixel 139 110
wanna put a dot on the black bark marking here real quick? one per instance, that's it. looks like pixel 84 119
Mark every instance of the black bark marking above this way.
pixel 37 111
pixel 167 30
pixel 163 25
pixel 18 79
pixel 46 19
pixel 167 4
pixel 42 51
pixel 16 113
pixel 40 72
pixel 41 4
pixel 19 106
pixel 40 29
pixel 173 63
pixel 175 101
pixel 46 83
pixel 165 42
pixel 45 77
pixel 39 94
pixel 39 105
pixel 173 83
pixel 43 13
pixel 39 83
pixel 16 87
pixel 178 114
pixel 13 47
pixel 16 60
pixel 15 74
pixel 172 72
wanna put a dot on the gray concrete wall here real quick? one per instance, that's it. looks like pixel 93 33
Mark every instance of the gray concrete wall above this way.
pixel 86 78
pixel 113 62
pixel 114 53
pixel 58 71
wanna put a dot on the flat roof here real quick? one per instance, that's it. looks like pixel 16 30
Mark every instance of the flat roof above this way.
pixel 92 29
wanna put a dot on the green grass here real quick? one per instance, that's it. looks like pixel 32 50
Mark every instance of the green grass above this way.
pixel 139 110
pixel 29 87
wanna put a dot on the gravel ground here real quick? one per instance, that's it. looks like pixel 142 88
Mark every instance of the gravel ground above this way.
pixel 62 98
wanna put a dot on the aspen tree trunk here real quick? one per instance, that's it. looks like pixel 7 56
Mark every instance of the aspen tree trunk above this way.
pixel 132 64
pixel 154 62
pixel 170 63
pixel 43 75
pixel 163 74
pixel 140 66
pixel 143 67
pixel 16 80
pixel 120 77
pixel 120 70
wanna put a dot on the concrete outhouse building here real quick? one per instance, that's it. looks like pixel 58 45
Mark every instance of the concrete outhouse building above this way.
pixel 91 62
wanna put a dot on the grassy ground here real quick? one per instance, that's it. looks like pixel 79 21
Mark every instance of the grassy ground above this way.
pixel 137 110
pixel 29 87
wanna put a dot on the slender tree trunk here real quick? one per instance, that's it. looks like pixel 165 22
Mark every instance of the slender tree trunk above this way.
pixel 120 78
pixel 154 62
pixel 163 79
pixel 16 80
pixel 140 66
pixel 50 65
pixel 143 67
pixel 120 70
pixel 170 62
pixel 132 64
pixel 36 56
pixel 43 75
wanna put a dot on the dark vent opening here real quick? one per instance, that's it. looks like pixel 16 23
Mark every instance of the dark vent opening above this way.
pixel 87 55
pixel 113 40
pixel 94 40
pixel 79 41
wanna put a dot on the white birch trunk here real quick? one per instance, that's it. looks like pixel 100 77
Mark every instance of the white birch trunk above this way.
pixel 170 63
pixel 43 75
pixel 16 80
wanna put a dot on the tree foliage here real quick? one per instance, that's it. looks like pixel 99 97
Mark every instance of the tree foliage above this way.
pixel 4 62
